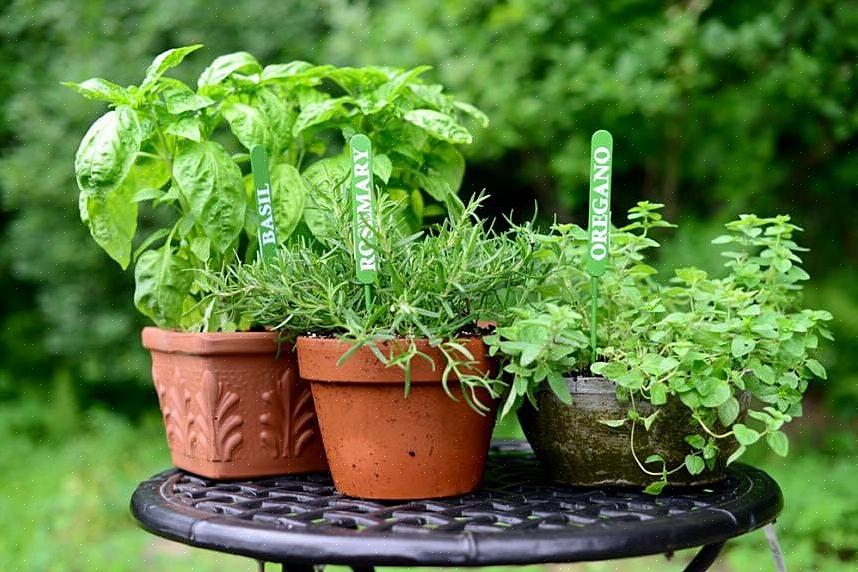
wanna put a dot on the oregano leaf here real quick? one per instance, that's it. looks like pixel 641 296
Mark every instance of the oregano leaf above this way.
pixel 742 345
pixel 736 454
pixel 694 464
pixel 558 385
pixel 778 442
pixel 728 411
pixel 745 435
pixel 655 488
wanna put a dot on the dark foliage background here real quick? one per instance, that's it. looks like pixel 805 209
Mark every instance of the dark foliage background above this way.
pixel 717 108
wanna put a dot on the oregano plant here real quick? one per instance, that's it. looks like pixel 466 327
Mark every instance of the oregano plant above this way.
pixel 709 342
pixel 184 151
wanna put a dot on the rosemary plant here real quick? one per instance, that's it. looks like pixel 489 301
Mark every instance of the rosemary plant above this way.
pixel 438 284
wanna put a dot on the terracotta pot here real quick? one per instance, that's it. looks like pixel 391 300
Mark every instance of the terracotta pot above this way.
pixel 575 449
pixel 382 445
pixel 233 406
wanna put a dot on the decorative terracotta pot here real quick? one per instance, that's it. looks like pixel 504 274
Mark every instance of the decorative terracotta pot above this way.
pixel 575 449
pixel 233 405
pixel 383 445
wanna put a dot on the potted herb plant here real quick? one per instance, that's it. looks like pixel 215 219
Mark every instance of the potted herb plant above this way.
pixel 404 387
pixel 689 373
pixel 232 402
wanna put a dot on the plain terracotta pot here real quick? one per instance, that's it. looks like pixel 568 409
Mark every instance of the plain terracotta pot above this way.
pixel 383 445
pixel 233 404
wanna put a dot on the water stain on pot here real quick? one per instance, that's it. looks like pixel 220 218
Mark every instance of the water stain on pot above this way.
pixel 575 448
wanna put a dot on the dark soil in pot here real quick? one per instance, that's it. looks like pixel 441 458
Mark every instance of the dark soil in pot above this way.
pixel 384 445
pixel 576 449
pixel 233 405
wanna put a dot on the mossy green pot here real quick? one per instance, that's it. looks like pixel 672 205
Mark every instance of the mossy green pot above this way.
pixel 575 449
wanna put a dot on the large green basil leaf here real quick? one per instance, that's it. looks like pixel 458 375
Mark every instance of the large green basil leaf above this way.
pixel 162 282
pixel 310 77
pixel 446 162
pixel 248 124
pixel 288 195
pixel 148 172
pixel 435 186
pixel 391 90
pixel 186 128
pixel 112 220
pixel 356 80
pixel 179 98
pixel 108 150
pixel 112 217
pixel 224 66
pixel 382 167
pixel 100 90
pixel 211 182
pixel 165 61
pixel 284 71
pixel 319 112
pixel 328 180
pixel 281 117
pixel 251 216
pixel 439 125
pixel 431 95
pixel 478 116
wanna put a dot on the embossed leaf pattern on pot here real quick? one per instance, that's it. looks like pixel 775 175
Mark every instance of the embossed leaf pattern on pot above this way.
pixel 305 418
pixel 290 422
pixel 214 427
pixel 174 407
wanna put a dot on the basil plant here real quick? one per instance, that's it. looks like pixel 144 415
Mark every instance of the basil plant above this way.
pixel 181 154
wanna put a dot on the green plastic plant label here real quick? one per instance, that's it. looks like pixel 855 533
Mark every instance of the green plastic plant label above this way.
pixel 362 201
pixel 264 208
pixel 599 223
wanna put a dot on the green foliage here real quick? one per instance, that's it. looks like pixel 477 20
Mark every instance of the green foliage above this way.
pixel 66 507
pixel 702 97
pixel 435 285
pixel 817 528
pixel 743 107
pixel 539 346
pixel 66 308
pixel 717 108
pixel 735 108
pixel 160 145
pixel 705 341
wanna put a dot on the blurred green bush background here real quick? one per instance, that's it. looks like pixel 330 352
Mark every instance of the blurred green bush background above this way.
pixel 717 108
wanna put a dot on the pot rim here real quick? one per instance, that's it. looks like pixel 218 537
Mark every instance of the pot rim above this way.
pixel 318 361
pixel 590 384
pixel 212 343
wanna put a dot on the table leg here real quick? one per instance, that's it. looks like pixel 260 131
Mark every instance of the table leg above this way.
pixel 775 547
pixel 705 558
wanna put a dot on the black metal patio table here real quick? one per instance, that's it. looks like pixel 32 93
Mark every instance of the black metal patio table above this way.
pixel 518 517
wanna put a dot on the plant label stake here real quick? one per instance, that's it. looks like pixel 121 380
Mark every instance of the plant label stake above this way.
pixel 362 201
pixel 599 221
pixel 264 208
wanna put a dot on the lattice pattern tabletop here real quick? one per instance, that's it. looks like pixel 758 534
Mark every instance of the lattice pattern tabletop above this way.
pixel 517 518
